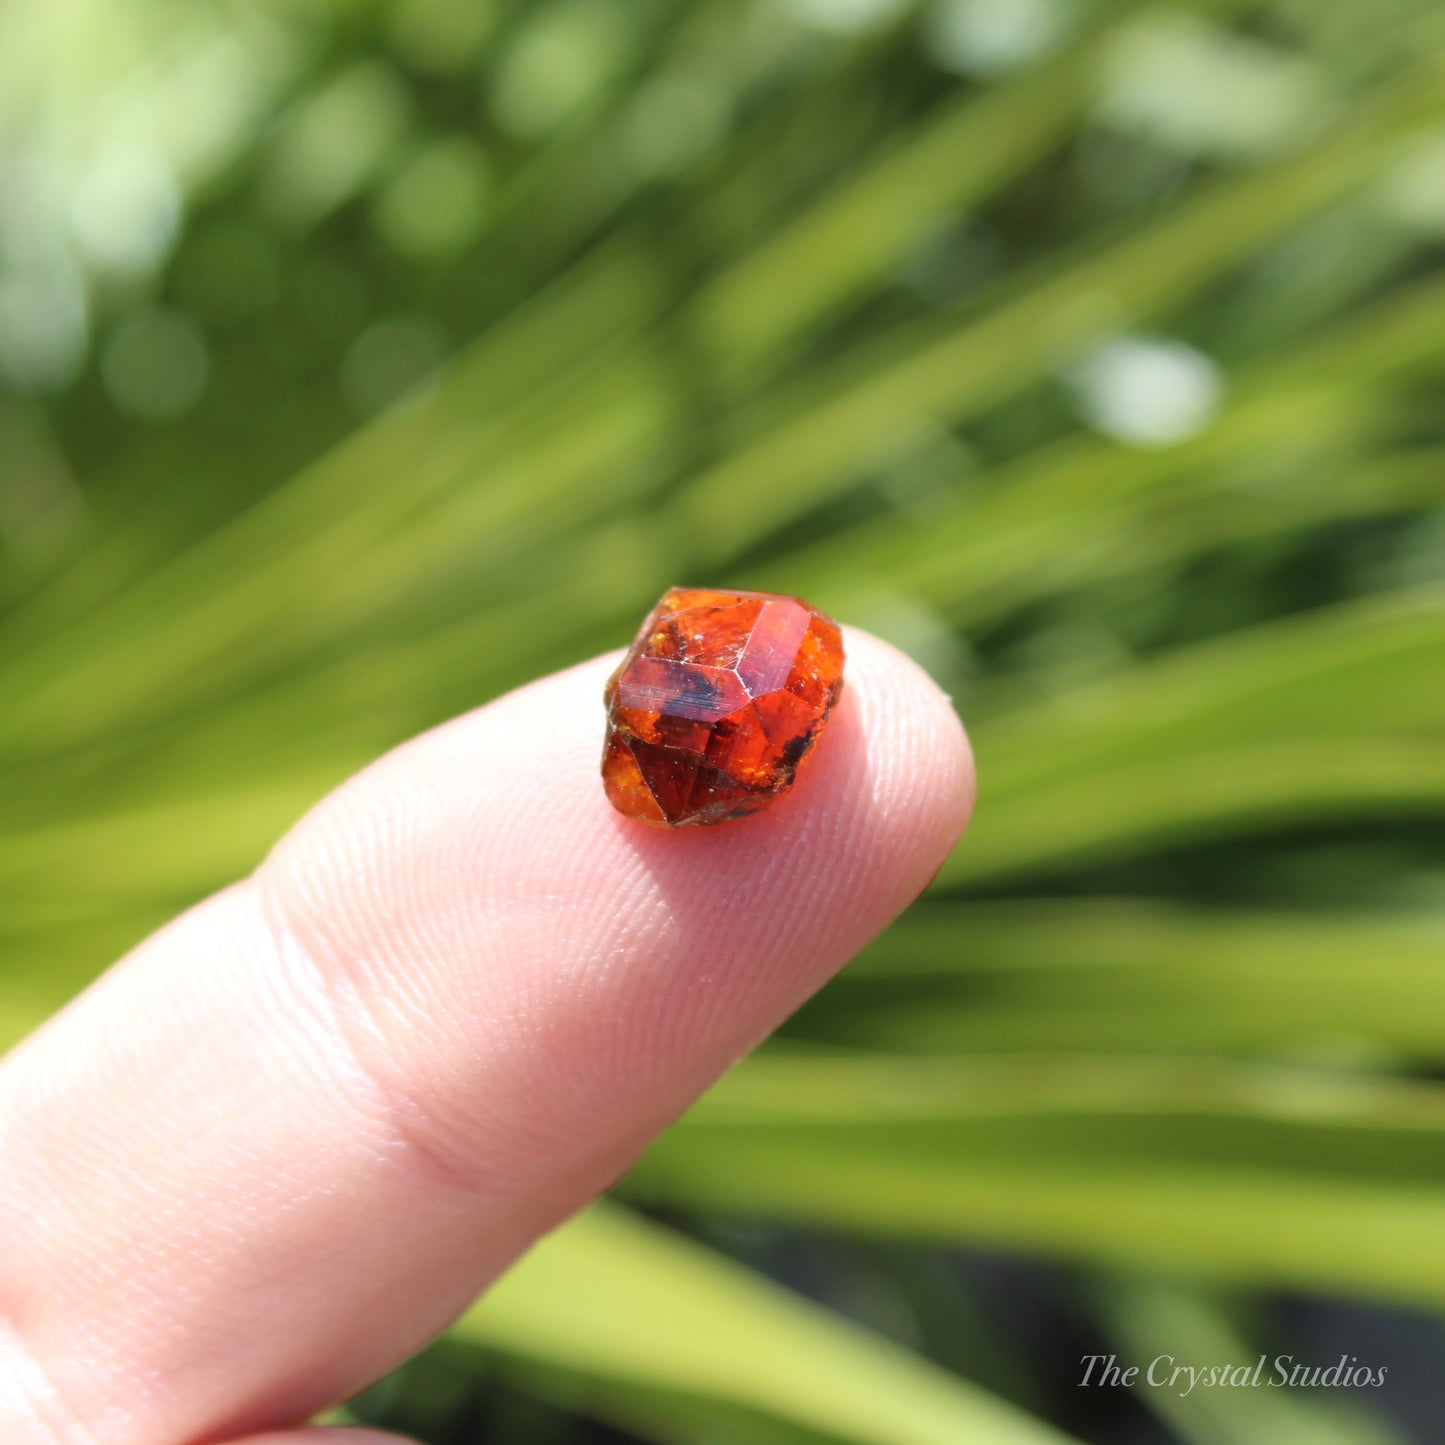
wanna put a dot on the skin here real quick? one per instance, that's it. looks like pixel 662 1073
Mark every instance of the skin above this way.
pixel 287 1139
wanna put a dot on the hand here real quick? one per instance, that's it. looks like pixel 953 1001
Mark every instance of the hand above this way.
pixel 287 1139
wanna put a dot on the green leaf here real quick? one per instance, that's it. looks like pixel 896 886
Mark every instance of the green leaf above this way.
pixel 768 301
pixel 1284 452
pixel 1329 714
pixel 1156 1321
pixel 1140 976
pixel 624 1305
pixel 808 446
pixel 1261 1174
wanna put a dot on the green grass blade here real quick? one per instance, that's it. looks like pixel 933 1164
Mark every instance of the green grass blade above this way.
pixel 1137 976
pixel 1272 726
pixel 1284 453
pixel 625 1304
pixel 811 444
pixel 765 305
pixel 1144 1315
pixel 1270 1176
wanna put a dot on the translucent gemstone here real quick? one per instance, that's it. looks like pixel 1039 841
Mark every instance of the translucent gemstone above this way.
pixel 717 702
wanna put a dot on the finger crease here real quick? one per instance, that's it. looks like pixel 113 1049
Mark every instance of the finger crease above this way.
pixel 348 1014
pixel 40 1396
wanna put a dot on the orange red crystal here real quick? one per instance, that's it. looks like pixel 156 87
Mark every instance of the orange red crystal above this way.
pixel 718 701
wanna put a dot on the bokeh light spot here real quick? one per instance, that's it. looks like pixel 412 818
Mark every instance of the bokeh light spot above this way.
pixel 1147 391
pixel 125 210
pixel 437 203
pixel 154 366
pixel 335 143
pixel 846 17
pixel 992 37
pixel 557 64
pixel 390 359
pixel 669 124
pixel 1412 191
pixel 1201 90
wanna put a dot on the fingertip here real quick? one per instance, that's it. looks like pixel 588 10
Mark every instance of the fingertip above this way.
pixel 761 912
pixel 917 755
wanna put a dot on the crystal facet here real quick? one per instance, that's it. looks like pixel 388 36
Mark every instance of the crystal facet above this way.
pixel 718 700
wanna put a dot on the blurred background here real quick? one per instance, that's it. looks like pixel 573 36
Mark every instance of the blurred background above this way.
pixel 360 359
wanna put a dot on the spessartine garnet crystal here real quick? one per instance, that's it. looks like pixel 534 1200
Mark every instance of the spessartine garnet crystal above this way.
pixel 717 702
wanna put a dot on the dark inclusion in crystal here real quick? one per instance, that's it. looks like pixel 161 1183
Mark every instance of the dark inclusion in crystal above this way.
pixel 718 700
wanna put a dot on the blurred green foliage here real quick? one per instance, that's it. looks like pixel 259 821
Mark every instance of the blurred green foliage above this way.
pixel 361 358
